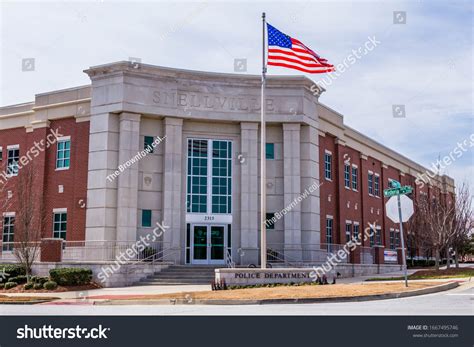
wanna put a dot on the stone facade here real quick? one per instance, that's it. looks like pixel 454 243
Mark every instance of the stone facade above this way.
pixel 109 122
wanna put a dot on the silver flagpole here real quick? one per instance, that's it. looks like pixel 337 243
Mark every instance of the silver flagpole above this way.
pixel 263 191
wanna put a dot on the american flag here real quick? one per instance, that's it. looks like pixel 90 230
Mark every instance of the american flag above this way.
pixel 286 51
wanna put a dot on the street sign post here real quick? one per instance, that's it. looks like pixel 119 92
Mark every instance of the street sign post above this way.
pixel 399 202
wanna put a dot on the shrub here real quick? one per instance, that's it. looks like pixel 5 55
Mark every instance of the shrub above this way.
pixel 18 279
pixel 71 276
pixel 50 285
pixel 28 286
pixel 10 285
pixel 12 270
pixel 39 279
pixel 37 286
pixel 2 285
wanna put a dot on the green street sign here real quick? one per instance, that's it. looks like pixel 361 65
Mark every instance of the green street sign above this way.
pixel 395 184
pixel 406 190
pixel 390 192
pixel 397 191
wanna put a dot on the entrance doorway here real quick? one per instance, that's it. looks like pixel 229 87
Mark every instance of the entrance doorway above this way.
pixel 208 243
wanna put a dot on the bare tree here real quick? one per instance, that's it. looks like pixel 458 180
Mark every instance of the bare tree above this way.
pixel 445 221
pixel 462 222
pixel 29 219
pixel 435 216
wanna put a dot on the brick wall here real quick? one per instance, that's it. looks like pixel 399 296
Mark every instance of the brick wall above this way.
pixel 47 178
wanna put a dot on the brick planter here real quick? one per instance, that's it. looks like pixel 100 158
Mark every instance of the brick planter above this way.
pixel 51 250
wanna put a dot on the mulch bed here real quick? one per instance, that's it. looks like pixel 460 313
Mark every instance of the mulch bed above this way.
pixel 447 272
pixel 20 289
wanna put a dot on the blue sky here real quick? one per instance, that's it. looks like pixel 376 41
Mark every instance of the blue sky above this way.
pixel 425 64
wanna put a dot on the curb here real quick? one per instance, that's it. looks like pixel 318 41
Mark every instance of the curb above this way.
pixel 33 302
pixel 424 291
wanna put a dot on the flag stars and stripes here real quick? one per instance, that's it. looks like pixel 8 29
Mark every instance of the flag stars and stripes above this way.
pixel 288 52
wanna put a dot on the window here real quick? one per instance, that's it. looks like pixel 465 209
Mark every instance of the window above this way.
pixel 221 176
pixel 197 176
pixel 371 183
pixel 8 231
pixel 1 153
pixel 209 176
pixel 356 231
pixel 355 176
pixel 327 165
pixel 269 220
pixel 63 153
pixel 372 239
pixel 12 161
pixel 329 224
pixel 347 178
pixel 270 151
pixel 397 238
pixel 348 231
pixel 146 218
pixel 59 225
pixel 378 236
pixel 148 143
pixel 377 185
pixel 392 238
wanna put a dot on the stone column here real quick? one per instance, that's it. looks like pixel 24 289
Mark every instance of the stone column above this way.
pixel 249 218
pixel 101 214
pixel 127 185
pixel 292 190
pixel 310 206
pixel 173 206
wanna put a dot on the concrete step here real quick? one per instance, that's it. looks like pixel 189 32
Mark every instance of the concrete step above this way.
pixel 204 278
pixel 191 269
pixel 173 282
pixel 180 274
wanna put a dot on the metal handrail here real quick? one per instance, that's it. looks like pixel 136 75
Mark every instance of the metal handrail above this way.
pixel 228 259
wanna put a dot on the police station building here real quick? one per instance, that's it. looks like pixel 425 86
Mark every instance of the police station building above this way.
pixel 145 144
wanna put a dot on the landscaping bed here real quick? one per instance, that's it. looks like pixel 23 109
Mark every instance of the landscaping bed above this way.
pixel 283 292
pixel 20 289
pixel 431 275
pixel 14 280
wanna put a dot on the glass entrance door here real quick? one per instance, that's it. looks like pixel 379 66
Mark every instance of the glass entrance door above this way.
pixel 208 244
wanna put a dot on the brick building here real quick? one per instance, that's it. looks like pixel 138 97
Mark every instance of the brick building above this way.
pixel 102 193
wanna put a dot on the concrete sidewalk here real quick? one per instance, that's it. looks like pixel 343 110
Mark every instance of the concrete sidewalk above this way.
pixel 164 289
pixel 133 290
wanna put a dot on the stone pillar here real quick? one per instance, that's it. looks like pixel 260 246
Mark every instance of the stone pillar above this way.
pixel 173 205
pixel 101 214
pixel 249 217
pixel 292 190
pixel 310 206
pixel 127 185
pixel 51 250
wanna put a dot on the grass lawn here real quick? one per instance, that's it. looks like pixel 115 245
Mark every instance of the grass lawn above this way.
pixel 284 292
pixel 431 274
